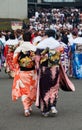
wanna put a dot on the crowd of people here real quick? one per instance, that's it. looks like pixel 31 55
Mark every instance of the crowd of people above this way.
pixel 67 23
pixel 39 57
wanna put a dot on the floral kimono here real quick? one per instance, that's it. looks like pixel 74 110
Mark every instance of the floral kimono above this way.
pixel 25 80
pixel 10 66
pixel 10 47
pixel 49 76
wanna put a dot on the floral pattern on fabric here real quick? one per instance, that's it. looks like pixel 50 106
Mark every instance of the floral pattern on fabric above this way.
pixel 24 85
pixel 48 86
pixel 9 62
pixel 26 60
pixel 49 57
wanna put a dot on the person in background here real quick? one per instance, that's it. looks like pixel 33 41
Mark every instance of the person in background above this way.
pixel 2 58
pixel 10 46
pixel 19 34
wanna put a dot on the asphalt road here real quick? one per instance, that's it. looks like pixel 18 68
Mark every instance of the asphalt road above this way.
pixel 69 108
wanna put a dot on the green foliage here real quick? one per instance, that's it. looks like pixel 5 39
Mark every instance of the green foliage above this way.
pixel 5 24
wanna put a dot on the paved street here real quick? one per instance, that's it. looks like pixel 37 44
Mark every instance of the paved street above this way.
pixel 69 108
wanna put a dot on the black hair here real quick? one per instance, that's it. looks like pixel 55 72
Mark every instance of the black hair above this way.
pixel 12 36
pixel 27 36
pixel 50 33
pixel 74 33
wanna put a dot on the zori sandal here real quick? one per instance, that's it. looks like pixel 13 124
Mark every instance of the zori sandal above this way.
pixel 27 113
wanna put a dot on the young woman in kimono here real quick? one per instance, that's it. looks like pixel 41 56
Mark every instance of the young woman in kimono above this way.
pixel 25 80
pixel 48 68
pixel 10 47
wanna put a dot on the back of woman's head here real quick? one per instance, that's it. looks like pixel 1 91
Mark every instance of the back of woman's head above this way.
pixel 27 36
pixel 12 35
pixel 50 33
